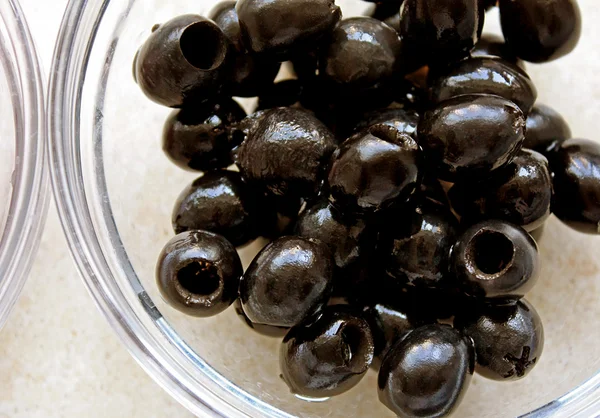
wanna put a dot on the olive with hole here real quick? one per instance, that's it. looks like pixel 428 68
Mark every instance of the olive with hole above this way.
pixel 427 373
pixel 220 202
pixel 495 260
pixel 485 75
pixel 576 168
pixel 251 73
pixel 199 137
pixel 328 355
pixel 520 193
pixel 546 129
pixel 288 281
pixel 540 30
pixel 198 273
pixel 374 169
pixel 186 60
pixel 492 131
pixel 508 339
pixel 282 28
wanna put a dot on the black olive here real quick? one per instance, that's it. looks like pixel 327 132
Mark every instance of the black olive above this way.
pixel 284 93
pixel 393 21
pixel 495 260
pixel 288 281
pixel 266 330
pixel 546 129
pixel 441 31
pixel 373 169
pixel 491 134
pixel 198 273
pixel 345 236
pixel 281 27
pixel 576 168
pixel 278 215
pixel 361 57
pixel 486 75
pixel 541 30
pixel 251 73
pixel 404 120
pixel 287 152
pixel 385 9
pixel 198 137
pixel 219 202
pixel 520 193
pixel 415 247
pixel 327 356
pixel 491 45
pixel 186 60
pixel 427 373
pixel 508 339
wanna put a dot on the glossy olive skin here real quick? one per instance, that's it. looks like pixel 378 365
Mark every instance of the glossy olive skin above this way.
pixel 172 69
pixel 198 137
pixel 266 330
pixel 288 281
pixel 404 120
pixel 415 249
pixel 541 30
pixel 508 339
pixel 198 273
pixel 495 260
pixel 327 356
pixel 281 28
pixel 492 133
pixel 251 73
pixel 494 46
pixel 220 202
pixel 520 193
pixel 546 129
pixel 345 236
pixel 363 54
pixel 576 168
pixel 286 152
pixel 486 75
pixel 427 373
pixel 389 324
pixel 373 169
pixel 441 31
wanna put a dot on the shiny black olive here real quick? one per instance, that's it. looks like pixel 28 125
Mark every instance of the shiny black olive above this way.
pixel 415 249
pixel 520 193
pixel 251 73
pixel 186 60
pixel 495 260
pixel 546 129
pixel 287 152
pixel 389 324
pixel 281 28
pixel 219 202
pixel 541 30
pixel 427 373
pixel 373 169
pixel 327 356
pixel 198 273
pixel 508 339
pixel 491 45
pixel 404 120
pixel 491 134
pixel 266 330
pixel 288 281
pixel 393 21
pixel 284 93
pixel 345 236
pixel 576 168
pixel 361 58
pixel 486 75
pixel 198 137
pixel 441 31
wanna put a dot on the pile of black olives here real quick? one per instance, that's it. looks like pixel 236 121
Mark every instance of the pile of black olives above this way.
pixel 402 176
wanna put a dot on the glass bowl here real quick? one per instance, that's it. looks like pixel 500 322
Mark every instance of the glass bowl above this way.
pixel 115 190
pixel 24 188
